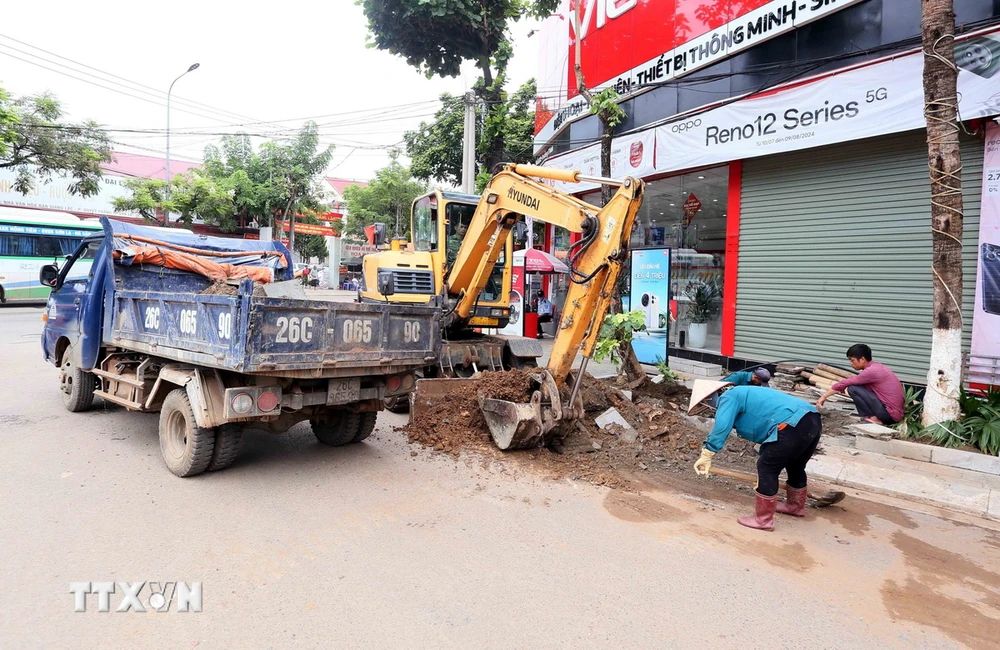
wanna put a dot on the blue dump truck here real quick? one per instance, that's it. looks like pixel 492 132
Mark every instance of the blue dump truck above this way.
pixel 216 335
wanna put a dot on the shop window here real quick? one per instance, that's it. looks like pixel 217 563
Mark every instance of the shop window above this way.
pixel 687 213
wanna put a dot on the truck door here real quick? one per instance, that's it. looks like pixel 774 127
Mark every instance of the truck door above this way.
pixel 69 301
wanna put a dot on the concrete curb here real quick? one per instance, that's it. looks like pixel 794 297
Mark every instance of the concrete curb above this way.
pixel 930 454
pixel 877 473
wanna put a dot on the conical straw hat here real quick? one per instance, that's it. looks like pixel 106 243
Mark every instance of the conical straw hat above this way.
pixel 704 388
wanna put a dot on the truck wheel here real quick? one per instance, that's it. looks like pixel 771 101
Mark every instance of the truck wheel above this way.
pixel 228 440
pixel 186 448
pixel 77 386
pixel 397 403
pixel 366 425
pixel 337 428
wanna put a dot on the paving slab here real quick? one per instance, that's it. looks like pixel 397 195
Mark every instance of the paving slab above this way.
pixel 993 511
pixel 966 460
pixel 874 430
pixel 825 467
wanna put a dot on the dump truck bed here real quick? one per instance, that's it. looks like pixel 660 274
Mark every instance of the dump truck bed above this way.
pixel 189 318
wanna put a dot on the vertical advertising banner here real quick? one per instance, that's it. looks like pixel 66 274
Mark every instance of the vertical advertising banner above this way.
pixel 986 319
pixel 650 294
pixel 515 327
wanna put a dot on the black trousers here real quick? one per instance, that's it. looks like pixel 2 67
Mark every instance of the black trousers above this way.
pixel 868 404
pixel 543 318
pixel 790 452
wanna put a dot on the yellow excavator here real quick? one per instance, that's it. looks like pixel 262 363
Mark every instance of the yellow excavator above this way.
pixel 418 272
pixel 595 262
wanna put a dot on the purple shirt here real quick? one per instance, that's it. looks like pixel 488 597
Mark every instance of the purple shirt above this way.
pixel 883 382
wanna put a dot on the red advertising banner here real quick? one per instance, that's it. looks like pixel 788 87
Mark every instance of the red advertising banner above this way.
pixel 311 229
pixel 632 44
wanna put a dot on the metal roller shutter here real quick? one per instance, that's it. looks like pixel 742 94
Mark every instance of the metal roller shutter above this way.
pixel 835 249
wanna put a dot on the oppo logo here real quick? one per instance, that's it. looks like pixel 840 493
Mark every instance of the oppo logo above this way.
pixel 604 9
pixel 680 127
pixel 635 154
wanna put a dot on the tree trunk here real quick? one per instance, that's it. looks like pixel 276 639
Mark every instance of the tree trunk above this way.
pixel 944 377
pixel 607 136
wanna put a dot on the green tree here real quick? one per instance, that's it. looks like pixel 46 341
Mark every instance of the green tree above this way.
pixel 36 145
pixel 193 194
pixel 238 184
pixel 437 36
pixel 435 148
pixel 386 199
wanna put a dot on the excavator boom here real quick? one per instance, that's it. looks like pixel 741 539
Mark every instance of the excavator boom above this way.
pixel 595 263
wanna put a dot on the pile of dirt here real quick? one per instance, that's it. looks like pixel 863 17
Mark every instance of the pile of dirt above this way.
pixel 222 288
pixel 667 438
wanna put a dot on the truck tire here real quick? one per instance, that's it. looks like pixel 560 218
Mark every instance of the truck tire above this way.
pixel 77 386
pixel 228 440
pixel 366 425
pixel 397 403
pixel 337 428
pixel 186 448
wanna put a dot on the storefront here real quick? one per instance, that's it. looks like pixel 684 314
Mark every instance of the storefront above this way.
pixel 799 218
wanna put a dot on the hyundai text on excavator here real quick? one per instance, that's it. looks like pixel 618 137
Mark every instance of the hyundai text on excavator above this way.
pixel 595 262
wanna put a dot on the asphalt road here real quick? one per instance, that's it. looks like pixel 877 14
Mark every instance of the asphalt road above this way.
pixel 298 545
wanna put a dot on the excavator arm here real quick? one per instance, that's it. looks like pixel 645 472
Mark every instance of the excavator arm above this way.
pixel 595 263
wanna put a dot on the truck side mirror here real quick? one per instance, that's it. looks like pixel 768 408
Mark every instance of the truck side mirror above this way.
pixel 386 287
pixel 48 275
pixel 380 234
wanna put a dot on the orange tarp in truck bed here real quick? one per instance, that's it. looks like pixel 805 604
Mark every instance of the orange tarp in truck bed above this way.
pixel 218 271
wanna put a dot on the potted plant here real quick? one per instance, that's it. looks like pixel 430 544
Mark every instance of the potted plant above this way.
pixel 701 310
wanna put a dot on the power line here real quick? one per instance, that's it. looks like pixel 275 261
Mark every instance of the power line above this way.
pixel 150 89
pixel 114 90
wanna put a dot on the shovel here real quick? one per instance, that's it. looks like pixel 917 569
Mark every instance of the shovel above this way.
pixel 823 500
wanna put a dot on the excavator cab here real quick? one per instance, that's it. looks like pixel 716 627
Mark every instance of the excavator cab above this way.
pixel 438 223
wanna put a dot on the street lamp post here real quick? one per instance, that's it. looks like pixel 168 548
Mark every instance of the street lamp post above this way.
pixel 166 211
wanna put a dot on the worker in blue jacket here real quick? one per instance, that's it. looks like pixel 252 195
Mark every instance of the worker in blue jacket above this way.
pixel 787 429
pixel 755 377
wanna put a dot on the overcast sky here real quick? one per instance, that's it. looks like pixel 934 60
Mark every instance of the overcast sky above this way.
pixel 279 62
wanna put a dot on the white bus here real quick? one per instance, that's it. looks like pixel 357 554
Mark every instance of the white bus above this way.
pixel 29 239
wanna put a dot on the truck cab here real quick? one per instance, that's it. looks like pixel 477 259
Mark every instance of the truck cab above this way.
pixel 74 308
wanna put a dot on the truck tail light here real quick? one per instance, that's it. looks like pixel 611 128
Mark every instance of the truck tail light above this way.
pixel 242 403
pixel 394 383
pixel 267 401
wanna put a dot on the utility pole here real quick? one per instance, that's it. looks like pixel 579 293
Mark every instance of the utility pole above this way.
pixel 469 145
pixel 166 212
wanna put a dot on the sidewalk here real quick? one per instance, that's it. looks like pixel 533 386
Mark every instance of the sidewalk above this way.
pixel 959 490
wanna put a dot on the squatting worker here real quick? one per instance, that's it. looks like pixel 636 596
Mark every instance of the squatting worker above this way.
pixel 786 427
pixel 876 390
pixel 755 377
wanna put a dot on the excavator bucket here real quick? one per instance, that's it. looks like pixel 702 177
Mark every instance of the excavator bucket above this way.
pixel 514 425
pixel 519 425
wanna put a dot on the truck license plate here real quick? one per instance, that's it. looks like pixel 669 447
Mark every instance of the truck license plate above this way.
pixel 343 391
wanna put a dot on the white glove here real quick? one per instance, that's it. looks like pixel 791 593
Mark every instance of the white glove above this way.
pixel 703 465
